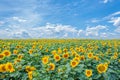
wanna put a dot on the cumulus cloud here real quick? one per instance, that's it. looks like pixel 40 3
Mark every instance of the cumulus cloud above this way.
pixel 117 30
pixel 19 19
pixel 94 31
pixel 54 30
pixel 106 1
pixel 108 35
pixel 115 21
pixel 22 34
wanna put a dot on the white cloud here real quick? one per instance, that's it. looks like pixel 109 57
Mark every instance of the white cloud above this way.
pixel 117 29
pixel 19 19
pixel 103 34
pixel 22 34
pixel 80 32
pixel 115 21
pixel 54 30
pixel 116 13
pixel 105 1
pixel 111 16
pixel 108 35
pixel 1 23
pixel 94 20
pixel 94 31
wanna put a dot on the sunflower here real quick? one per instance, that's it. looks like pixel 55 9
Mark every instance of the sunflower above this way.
pixel 40 47
pixel 88 73
pixel 45 59
pixel 15 51
pixel 9 67
pixel 74 63
pixel 30 51
pixel 65 50
pixel 20 56
pixel 3 68
pixel 82 57
pixel 51 66
pixel 7 52
pixel 65 55
pixel 17 60
pixel 101 68
pixel 90 55
pixel 30 68
pixel 54 52
pixel 27 68
pixel 2 56
pixel 59 51
pixel 73 52
pixel 57 57
pixel 30 75
pixel 96 58
pixel 76 59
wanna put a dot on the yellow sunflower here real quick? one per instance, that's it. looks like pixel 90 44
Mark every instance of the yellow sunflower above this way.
pixel 7 52
pixel 59 51
pixel 30 75
pixel 65 50
pixel 2 56
pixel 30 68
pixel 65 55
pixel 90 55
pixel 51 66
pixel 30 51
pixel 27 68
pixel 102 68
pixel 57 57
pixel 82 57
pixel 15 51
pixel 96 58
pixel 45 59
pixel 3 68
pixel 9 67
pixel 88 73
pixel 74 63
pixel 76 59
pixel 20 56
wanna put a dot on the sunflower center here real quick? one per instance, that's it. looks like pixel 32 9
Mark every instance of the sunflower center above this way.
pixel 3 68
pixel 102 68
pixel 65 55
pixel 51 67
pixel 57 57
pixel 6 53
pixel 9 66
pixel 45 60
pixel 73 63
pixel 1 56
pixel 88 72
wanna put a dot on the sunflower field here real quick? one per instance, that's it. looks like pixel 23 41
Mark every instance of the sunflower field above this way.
pixel 59 59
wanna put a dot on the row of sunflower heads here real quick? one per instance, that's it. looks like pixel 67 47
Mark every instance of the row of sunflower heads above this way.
pixel 29 70
pixel 5 53
pixel 7 67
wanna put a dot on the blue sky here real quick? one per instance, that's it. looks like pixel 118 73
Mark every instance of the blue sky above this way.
pixel 98 19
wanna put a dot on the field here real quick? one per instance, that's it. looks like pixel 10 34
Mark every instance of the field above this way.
pixel 59 59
